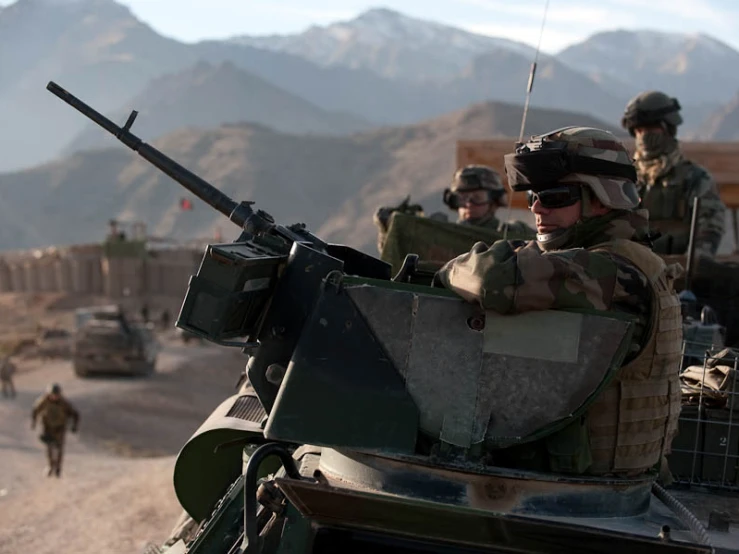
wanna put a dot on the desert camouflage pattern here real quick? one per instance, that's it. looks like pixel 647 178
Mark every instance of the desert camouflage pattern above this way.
pixel 613 192
pixel 513 277
pixel 667 185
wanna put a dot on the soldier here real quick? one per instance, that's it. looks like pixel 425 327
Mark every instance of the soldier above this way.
pixel 476 194
pixel 7 370
pixel 55 412
pixel 590 252
pixel 668 182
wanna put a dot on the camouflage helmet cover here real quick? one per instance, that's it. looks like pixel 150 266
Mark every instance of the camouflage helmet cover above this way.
pixel 650 108
pixel 476 177
pixel 591 157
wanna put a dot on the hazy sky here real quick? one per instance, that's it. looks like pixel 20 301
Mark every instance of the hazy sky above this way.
pixel 568 20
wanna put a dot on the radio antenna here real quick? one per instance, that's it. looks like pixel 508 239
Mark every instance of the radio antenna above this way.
pixel 529 88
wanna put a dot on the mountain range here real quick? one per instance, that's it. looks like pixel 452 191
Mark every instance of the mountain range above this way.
pixel 381 68
pixel 333 184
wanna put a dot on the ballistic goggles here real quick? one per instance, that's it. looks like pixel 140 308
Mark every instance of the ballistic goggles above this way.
pixel 558 196
pixel 538 169
pixel 477 197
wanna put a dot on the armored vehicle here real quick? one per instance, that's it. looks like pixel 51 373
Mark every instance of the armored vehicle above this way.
pixel 377 409
pixel 106 342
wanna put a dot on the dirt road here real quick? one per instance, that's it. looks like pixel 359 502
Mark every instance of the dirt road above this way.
pixel 115 493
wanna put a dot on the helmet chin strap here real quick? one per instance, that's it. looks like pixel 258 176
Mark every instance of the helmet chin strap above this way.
pixel 560 237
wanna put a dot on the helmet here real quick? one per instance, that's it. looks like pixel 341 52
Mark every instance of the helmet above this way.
pixel 55 388
pixel 475 177
pixel 591 157
pixel 650 108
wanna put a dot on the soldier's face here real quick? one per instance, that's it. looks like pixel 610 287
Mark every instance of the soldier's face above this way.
pixel 549 220
pixel 643 129
pixel 474 204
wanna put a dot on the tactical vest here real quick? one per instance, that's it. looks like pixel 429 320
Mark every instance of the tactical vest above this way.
pixel 630 426
pixel 669 210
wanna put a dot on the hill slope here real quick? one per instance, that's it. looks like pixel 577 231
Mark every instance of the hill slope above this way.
pixel 332 184
pixel 206 96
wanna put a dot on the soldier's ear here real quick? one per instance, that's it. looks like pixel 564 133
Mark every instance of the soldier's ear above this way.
pixel 597 207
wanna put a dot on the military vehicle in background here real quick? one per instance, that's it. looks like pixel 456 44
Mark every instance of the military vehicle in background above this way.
pixel 384 403
pixel 105 341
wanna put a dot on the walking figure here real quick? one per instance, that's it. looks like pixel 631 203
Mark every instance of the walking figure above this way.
pixel 55 412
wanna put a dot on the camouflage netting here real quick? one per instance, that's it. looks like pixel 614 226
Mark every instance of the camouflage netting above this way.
pixel 716 283
pixel 435 242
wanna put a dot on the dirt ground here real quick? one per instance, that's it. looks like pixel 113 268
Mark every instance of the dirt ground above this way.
pixel 115 493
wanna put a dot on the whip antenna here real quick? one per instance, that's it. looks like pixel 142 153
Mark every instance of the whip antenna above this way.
pixel 529 88
pixel 532 74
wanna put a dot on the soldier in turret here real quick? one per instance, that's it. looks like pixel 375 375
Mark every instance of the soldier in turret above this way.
pixel 56 413
pixel 475 194
pixel 668 182
pixel 591 252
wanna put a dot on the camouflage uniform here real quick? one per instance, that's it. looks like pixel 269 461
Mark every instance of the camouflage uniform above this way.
pixel 599 263
pixel 55 413
pixel 7 370
pixel 668 182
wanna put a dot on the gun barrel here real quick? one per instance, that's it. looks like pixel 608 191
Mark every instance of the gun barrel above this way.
pixel 238 213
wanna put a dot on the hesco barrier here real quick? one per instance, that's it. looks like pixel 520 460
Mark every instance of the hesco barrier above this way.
pixel 93 269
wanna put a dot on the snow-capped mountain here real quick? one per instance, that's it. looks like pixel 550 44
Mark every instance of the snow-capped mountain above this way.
pixel 695 68
pixel 389 43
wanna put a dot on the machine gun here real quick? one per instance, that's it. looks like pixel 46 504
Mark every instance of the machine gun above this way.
pixel 226 302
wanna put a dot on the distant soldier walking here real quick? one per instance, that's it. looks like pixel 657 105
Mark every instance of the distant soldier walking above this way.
pixel 7 370
pixel 55 412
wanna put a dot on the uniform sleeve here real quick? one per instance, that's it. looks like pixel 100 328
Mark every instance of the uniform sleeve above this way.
pixel 509 278
pixel 711 224
pixel 72 413
pixel 37 407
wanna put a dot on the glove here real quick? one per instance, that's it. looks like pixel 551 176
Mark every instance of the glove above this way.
pixel 74 429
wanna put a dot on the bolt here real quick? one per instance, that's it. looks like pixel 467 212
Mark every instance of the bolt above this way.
pixel 274 374
pixel 476 323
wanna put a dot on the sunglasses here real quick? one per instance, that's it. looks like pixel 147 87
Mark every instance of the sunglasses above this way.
pixel 559 197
